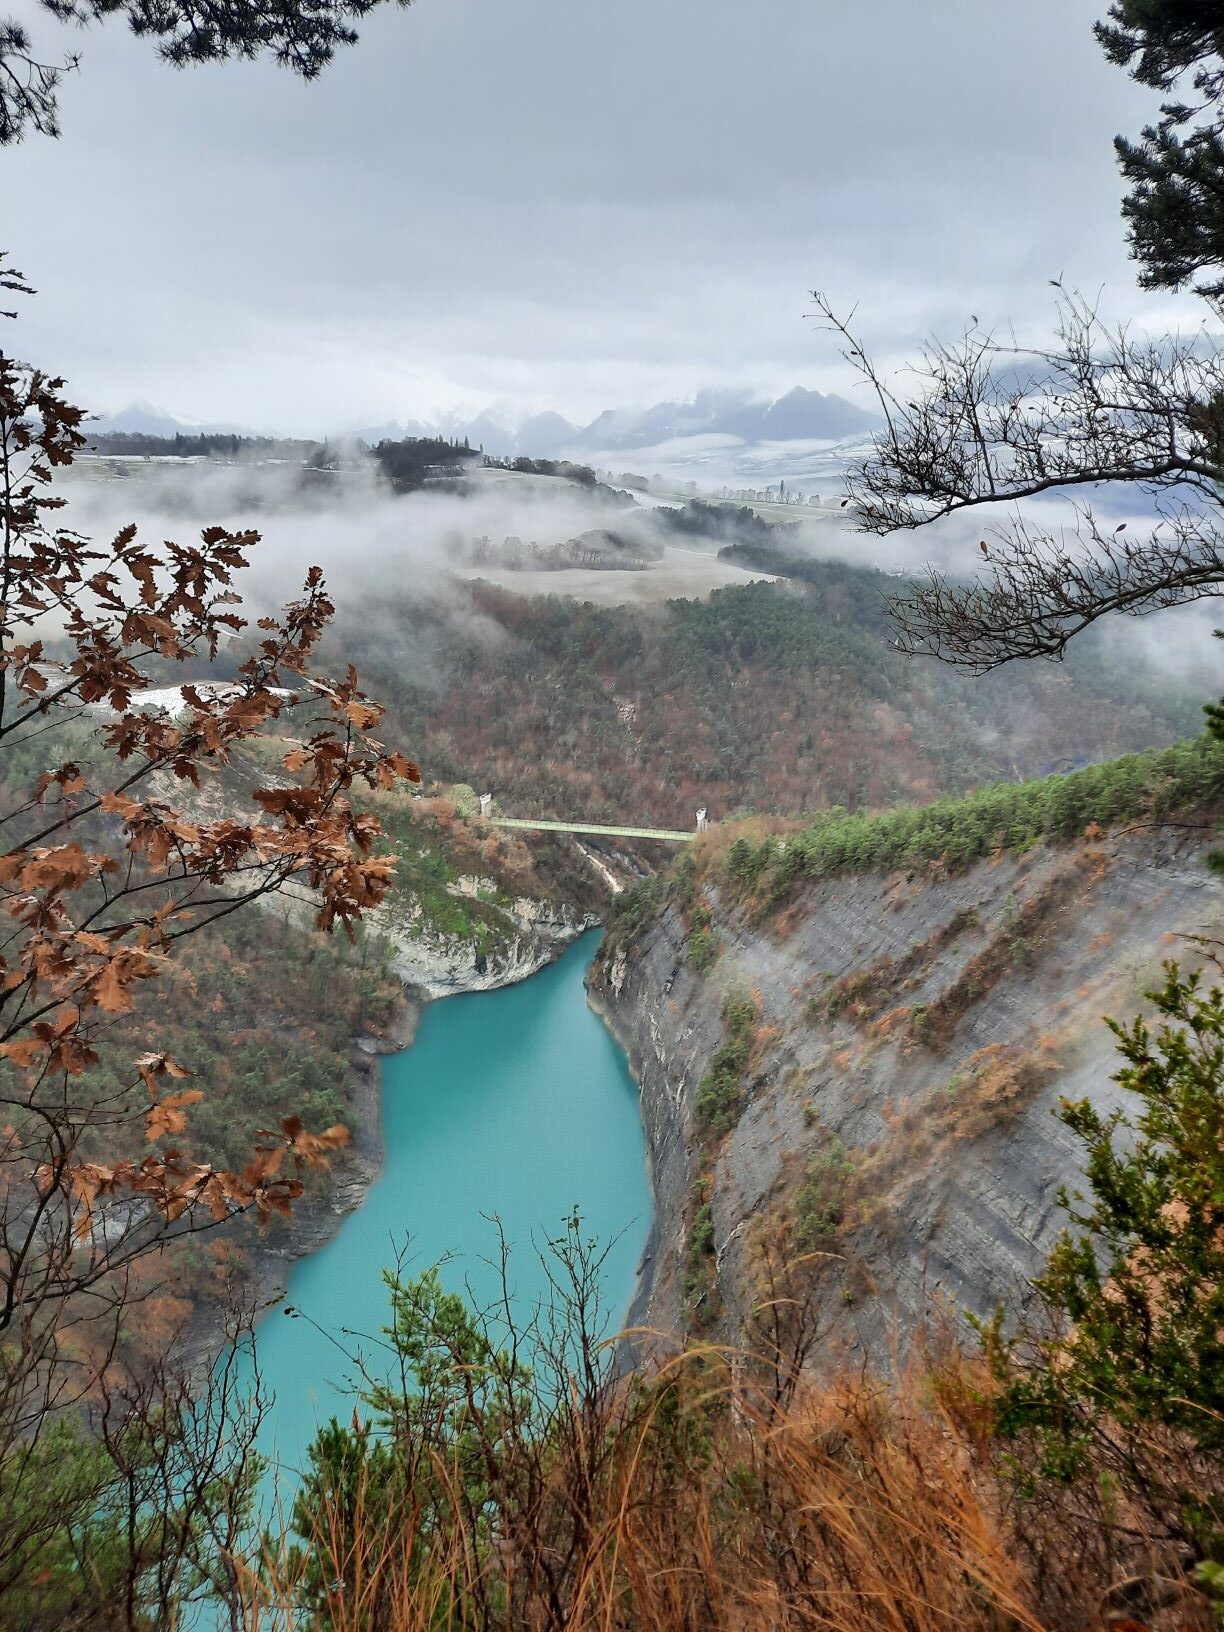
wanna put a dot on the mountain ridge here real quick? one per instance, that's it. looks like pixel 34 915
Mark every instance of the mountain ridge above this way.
pixel 863 1066
pixel 798 415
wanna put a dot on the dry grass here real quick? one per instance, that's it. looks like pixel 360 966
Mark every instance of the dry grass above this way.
pixel 702 1499
pixel 716 1489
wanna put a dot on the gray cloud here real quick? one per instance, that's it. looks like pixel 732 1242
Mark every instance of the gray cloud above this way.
pixel 546 203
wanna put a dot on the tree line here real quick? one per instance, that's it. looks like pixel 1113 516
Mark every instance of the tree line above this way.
pixel 1160 785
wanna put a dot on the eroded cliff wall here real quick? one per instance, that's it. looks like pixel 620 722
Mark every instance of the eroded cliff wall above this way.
pixel 909 1040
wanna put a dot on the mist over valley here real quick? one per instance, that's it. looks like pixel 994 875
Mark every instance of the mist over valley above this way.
pixel 595 651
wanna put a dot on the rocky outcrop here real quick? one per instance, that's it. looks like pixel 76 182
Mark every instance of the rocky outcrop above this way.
pixel 911 1039
pixel 431 965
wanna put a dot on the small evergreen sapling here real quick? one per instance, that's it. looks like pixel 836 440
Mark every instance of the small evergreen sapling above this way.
pixel 1125 1382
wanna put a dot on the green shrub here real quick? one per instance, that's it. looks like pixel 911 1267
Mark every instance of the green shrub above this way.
pixel 701 1235
pixel 702 941
pixel 922 1027
pixel 700 1266
pixel 820 1204
pixel 716 1105
pixel 1010 816
pixel 638 906
pixel 1124 1377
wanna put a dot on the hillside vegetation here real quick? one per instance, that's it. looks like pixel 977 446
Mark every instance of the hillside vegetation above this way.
pixel 458 878
pixel 1180 787
pixel 261 1011
pixel 784 698
pixel 1163 784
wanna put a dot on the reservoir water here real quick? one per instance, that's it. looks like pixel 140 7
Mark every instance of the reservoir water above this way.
pixel 516 1103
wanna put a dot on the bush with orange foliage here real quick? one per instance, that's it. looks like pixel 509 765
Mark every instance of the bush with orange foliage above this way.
pixel 132 821
pixel 102 873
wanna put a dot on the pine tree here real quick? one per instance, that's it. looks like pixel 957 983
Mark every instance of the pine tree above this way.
pixel 1175 171
pixel 302 35
pixel 1125 1381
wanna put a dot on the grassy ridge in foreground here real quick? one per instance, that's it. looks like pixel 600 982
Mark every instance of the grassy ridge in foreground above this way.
pixel 1008 816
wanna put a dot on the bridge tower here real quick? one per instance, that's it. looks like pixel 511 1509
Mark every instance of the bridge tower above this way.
pixel 486 806
pixel 702 824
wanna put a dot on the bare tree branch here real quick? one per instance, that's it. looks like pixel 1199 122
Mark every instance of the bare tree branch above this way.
pixel 991 425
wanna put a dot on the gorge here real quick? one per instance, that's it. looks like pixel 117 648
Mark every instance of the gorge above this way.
pixel 895 1039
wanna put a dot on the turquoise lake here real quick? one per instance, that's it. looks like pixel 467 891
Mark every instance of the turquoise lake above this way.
pixel 516 1103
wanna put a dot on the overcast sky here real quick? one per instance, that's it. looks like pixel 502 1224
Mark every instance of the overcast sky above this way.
pixel 559 203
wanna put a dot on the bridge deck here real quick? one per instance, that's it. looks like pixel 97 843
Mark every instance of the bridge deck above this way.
pixel 672 834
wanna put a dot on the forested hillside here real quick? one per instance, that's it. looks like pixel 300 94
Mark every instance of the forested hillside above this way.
pixel 775 697
pixel 262 1014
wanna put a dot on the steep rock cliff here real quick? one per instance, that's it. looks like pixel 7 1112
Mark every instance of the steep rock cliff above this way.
pixel 520 938
pixel 909 1038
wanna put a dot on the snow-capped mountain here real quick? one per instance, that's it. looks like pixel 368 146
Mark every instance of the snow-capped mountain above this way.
pixel 800 415
pixel 143 419
pixel 717 436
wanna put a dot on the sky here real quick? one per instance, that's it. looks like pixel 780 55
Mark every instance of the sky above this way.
pixel 555 204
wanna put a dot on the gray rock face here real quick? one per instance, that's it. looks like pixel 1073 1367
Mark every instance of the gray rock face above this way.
pixel 923 1030
pixel 431 965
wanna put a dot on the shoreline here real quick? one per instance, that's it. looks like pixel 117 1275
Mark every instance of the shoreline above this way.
pixel 270 1257
pixel 634 1333
pixel 316 1222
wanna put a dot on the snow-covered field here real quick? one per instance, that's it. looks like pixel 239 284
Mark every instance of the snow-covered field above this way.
pixel 688 574
pixel 717 461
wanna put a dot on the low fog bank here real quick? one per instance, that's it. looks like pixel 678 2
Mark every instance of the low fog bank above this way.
pixel 1177 643
pixel 533 534
pixel 809 466
pixel 543 534
pixel 350 522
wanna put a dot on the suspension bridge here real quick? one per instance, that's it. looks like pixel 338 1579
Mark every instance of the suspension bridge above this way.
pixel 672 835
pixel 531 824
